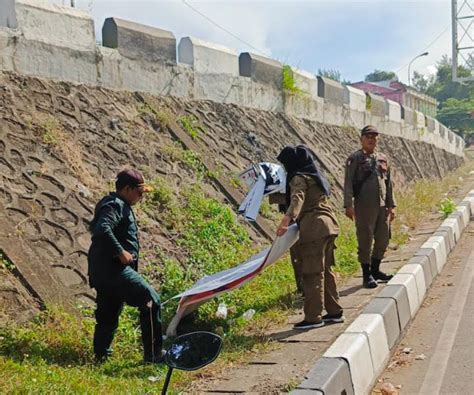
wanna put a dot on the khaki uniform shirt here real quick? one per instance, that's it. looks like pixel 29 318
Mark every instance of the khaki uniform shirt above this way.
pixel 377 189
pixel 309 207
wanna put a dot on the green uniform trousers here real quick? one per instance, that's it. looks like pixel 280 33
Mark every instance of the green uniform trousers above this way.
pixel 130 288
pixel 372 228
pixel 319 282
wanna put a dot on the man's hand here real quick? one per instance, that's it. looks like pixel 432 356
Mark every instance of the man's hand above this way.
pixel 350 213
pixel 391 213
pixel 125 258
pixel 283 227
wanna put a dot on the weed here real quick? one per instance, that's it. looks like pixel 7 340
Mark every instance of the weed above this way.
pixel 6 263
pixel 191 124
pixel 288 81
pixel 368 102
pixel 269 211
pixel 164 117
pixel 446 207
pixel 50 131
pixel 189 158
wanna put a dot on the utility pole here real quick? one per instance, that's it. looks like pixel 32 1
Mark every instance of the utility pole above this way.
pixel 73 3
pixel 463 38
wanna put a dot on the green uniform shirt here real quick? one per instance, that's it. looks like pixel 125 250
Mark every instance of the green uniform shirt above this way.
pixel 113 229
pixel 368 181
pixel 309 207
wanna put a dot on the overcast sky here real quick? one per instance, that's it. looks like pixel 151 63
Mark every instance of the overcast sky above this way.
pixel 354 37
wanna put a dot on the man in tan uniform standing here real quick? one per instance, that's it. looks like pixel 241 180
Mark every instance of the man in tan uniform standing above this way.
pixel 307 202
pixel 369 201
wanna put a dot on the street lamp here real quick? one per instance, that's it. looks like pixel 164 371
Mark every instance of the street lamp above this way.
pixel 409 64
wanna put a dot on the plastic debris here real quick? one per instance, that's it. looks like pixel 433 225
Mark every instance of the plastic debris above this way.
pixel 221 311
pixel 420 357
pixel 153 379
pixel 248 315
pixel 388 389
pixel 407 350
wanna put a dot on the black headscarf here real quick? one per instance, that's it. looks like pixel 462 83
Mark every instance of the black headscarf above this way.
pixel 301 160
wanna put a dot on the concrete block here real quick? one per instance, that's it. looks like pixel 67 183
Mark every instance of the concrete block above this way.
pixel 399 294
pixel 330 376
pixel 306 81
pixel 387 308
pixel 459 217
pixel 354 98
pixel 354 348
pixel 408 115
pixel 51 24
pixel 139 42
pixel 417 271
pixel 306 392
pixel 466 213
pixel 424 262
pixel 443 130
pixel 420 121
pixel 261 69
pixel 393 111
pixel 453 224
pixel 432 125
pixel 437 243
pixel 431 255
pixel 469 202
pixel 372 326
pixel 375 105
pixel 446 234
pixel 207 57
pixel 330 90
pixel 409 282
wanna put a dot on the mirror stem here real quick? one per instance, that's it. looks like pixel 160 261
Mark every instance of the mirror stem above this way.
pixel 167 381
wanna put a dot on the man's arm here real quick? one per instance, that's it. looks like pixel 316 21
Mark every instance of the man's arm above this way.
pixel 108 219
pixel 390 202
pixel 350 170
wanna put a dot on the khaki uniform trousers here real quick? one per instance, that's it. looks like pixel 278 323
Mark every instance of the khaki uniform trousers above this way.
pixel 319 282
pixel 372 227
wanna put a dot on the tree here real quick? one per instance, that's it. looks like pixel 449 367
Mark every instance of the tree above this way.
pixel 458 115
pixel 380 75
pixel 333 74
pixel 422 82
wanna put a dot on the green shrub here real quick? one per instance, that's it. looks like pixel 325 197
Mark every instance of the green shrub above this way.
pixel 446 207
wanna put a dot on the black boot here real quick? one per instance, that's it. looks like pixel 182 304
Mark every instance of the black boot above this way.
pixel 376 273
pixel 368 280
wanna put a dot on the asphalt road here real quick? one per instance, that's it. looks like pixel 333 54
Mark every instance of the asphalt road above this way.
pixel 436 355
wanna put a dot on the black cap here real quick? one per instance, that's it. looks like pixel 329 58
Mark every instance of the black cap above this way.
pixel 369 129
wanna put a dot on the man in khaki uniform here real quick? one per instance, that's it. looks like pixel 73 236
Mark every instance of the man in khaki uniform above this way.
pixel 307 202
pixel 369 200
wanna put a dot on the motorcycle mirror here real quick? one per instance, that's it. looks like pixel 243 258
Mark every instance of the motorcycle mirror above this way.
pixel 191 351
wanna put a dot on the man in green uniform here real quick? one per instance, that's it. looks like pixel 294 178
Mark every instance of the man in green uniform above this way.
pixel 113 264
pixel 369 200
pixel 307 202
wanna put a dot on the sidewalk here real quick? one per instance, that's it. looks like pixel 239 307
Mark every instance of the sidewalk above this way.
pixel 296 352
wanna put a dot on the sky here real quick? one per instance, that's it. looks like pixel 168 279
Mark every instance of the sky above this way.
pixel 353 37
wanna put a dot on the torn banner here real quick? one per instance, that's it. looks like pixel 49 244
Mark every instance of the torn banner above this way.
pixel 233 278
pixel 263 179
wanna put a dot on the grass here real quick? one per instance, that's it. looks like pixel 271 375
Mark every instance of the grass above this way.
pixel 191 124
pixel 288 81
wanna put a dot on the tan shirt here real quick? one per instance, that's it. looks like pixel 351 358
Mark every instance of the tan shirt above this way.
pixel 377 189
pixel 309 207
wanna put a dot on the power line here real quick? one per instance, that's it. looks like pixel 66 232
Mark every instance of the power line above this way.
pixel 429 45
pixel 224 29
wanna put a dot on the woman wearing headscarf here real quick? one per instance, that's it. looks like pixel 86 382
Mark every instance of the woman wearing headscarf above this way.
pixel 307 192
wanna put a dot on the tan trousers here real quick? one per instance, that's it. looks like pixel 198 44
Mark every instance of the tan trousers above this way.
pixel 319 283
pixel 296 263
pixel 372 228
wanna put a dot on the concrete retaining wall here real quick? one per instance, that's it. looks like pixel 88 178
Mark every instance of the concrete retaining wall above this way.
pixel 58 43
pixel 366 344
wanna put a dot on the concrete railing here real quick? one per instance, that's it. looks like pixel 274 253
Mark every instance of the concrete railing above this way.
pixel 40 39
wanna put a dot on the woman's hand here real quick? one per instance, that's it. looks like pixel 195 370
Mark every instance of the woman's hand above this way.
pixel 283 227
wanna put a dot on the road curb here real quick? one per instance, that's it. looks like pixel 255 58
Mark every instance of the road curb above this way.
pixel 381 324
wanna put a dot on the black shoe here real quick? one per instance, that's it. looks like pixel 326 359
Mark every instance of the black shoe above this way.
pixel 382 277
pixel 368 280
pixel 157 359
pixel 336 318
pixel 308 325
pixel 376 273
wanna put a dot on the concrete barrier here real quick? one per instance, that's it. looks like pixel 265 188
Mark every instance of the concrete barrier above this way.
pixel 469 202
pixel 261 69
pixel 306 392
pixel 408 115
pixel 372 326
pixel 399 294
pixel 375 105
pixel 209 58
pixel 420 122
pixel 306 82
pixel 416 271
pixel 328 376
pixel 393 111
pixel 425 263
pixel 453 224
pixel 408 281
pixel 466 214
pixel 431 255
pixel 437 244
pixel 354 348
pixel 387 308
pixel 139 42
pixel 354 98
pixel 448 235
pixel 331 90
